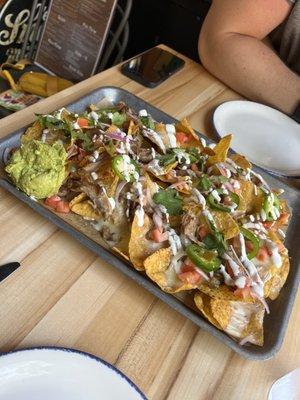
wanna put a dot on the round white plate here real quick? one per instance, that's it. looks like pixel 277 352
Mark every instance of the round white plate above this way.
pixel 267 137
pixel 62 374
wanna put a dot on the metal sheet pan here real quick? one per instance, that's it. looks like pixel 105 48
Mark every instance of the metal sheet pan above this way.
pixel 275 323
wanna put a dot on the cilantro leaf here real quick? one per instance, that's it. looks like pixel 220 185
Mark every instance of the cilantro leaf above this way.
pixel 169 199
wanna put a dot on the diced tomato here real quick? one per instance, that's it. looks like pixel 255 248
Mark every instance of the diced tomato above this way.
pixel 202 232
pixel 268 224
pixel 52 201
pixel 191 277
pixel 263 254
pixel 182 137
pixel 83 122
pixel 57 204
pixel 249 246
pixel 243 293
pixel 63 207
pixel 188 266
pixel 157 235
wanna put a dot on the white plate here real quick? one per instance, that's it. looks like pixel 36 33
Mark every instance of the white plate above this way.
pixel 62 374
pixel 267 137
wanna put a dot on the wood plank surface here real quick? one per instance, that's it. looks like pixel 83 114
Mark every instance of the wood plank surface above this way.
pixel 64 295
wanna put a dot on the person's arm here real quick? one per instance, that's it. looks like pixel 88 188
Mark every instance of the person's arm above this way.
pixel 231 48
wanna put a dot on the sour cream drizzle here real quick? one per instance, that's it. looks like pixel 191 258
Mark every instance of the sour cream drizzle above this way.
pixel 256 284
pixel 199 197
pixel 171 131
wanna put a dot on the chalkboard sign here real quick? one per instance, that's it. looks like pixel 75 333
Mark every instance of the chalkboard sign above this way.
pixel 14 18
pixel 74 36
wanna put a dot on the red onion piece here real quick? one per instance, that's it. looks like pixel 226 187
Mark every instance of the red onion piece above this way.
pixel 119 189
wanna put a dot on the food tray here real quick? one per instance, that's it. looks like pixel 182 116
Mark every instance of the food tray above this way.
pixel 275 323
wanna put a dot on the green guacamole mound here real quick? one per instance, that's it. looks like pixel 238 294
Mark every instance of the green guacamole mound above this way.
pixel 38 169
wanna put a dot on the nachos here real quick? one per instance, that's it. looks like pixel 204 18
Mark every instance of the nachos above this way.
pixel 187 214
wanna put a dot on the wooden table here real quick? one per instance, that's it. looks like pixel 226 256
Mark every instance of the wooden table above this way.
pixel 65 296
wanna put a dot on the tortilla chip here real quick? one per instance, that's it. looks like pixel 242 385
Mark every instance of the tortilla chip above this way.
pixel 226 224
pixel 241 161
pixel 132 128
pixel 185 127
pixel 139 246
pixel 238 319
pixel 33 132
pixel 221 150
pixel 161 129
pixel 203 303
pixel 77 199
pixel 164 176
pixel 158 269
pixel 208 151
pixel 222 292
pixel 86 210
pixel 249 201
pixel 221 311
pixel 278 277
pixel 246 322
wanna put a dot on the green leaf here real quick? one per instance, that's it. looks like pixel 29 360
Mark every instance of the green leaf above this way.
pixel 118 119
pixel 204 183
pixel 167 159
pixel 169 199
pixel 87 143
pixel 148 122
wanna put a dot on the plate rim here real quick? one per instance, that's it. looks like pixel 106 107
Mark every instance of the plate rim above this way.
pixel 270 171
pixel 85 354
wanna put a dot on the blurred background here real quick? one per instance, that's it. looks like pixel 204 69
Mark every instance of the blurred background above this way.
pixel 175 23
pixel 124 28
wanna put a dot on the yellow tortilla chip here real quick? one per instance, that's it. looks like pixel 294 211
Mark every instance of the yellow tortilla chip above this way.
pixel 221 150
pixel 249 201
pixel 279 275
pixel 226 224
pixel 164 177
pixel 241 161
pixel 33 132
pixel 86 210
pixel 139 246
pixel 203 303
pixel 222 292
pixel 221 311
pixel 132 128
pixel 238 319
pixel 77 199
pixel 247 322
pixel 185 127
pixel 157 267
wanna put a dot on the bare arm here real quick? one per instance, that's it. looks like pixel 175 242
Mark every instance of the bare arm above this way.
pixel 231 48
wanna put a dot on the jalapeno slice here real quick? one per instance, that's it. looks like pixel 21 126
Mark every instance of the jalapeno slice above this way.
pixel 253 239
pixel 217 205
pixel 271 206
pixel 125 168
pixel 203 258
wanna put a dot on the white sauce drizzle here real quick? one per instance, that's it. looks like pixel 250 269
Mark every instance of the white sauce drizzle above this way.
pixel 199 197
pixel 171 131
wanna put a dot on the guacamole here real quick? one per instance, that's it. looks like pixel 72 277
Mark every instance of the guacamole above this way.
pixel 38 169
